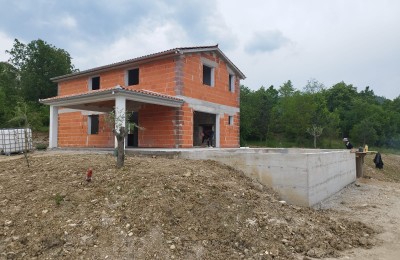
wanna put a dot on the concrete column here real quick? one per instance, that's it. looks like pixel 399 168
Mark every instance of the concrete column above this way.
pixel 120 110
pixel 217 130
pixel 53 131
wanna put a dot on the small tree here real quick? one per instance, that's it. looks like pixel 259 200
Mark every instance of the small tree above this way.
pixel 315 131
pixel 120 125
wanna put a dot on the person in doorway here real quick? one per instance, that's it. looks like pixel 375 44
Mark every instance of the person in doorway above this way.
pixel 208 135
pixel 210 138
pixel 347 143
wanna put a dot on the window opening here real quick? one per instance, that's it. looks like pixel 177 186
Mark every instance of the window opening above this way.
pixel 208 75
pixel 231 83
pixel 133 77
pixel 93 124
pixel 230 120
pixel 95 83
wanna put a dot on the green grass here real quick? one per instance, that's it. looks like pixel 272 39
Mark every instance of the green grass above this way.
pixel 58 199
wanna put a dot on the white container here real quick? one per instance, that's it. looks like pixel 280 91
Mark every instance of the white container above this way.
pixel 15 141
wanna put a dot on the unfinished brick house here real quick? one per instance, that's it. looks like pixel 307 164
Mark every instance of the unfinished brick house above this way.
pixel 174 95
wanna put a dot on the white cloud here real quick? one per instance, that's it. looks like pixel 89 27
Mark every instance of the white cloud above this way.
pixel 266 41
pixel 6 43
pixel 68 22
pixel 150 38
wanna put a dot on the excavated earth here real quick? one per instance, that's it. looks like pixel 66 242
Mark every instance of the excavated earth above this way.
pixel 157 208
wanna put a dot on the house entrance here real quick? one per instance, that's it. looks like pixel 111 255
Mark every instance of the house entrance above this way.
pixel 203 128
pixel 133 134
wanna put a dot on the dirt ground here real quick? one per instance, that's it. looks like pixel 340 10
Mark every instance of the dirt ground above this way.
pixel 373 200
pixel 159 208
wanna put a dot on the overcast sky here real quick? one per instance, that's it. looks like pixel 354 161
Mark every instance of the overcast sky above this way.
pixel 271 41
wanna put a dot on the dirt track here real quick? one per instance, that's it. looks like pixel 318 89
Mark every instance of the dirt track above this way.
pixel 157 208
pixel 374 200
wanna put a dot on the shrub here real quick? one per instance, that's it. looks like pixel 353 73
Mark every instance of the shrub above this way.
pixel 41 146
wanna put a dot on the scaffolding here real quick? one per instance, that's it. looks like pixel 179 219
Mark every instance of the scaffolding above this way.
pixel 15 140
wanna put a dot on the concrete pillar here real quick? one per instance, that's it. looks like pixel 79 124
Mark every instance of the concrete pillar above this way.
pixel 120 111
pixel 217 130
pixel 53 131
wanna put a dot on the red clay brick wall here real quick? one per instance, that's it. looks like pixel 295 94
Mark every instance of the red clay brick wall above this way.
pixel 193 81
pixel 166 127
pixel 229 137
pixel 187 126
pixel 73 86
pixel 158 126
pixel 158 76
pixel 155 76
pixel 73 132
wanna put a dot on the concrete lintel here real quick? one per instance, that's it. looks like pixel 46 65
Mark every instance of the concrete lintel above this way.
pixel 209 107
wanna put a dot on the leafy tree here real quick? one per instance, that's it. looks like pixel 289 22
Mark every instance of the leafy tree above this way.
pixel 368 95
pixel 341 97
pixel 315 131
pixel 295 114
pixel 247 114
pixel 287 89
pixel 332 128
pixel 264 101
pixel 364 133
pixel 313 86
pixel 9 92
pixel 38 62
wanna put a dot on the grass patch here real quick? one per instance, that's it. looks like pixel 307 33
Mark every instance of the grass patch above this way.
pixel 58 198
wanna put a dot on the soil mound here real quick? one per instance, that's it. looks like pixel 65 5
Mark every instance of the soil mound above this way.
pixel 156 208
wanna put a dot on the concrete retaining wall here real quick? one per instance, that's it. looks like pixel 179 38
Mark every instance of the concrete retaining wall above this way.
pixel 301 176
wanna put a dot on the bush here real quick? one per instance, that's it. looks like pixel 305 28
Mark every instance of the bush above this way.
pixel 41 146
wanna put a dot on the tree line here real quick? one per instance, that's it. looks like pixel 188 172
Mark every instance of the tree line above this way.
pixel 317 116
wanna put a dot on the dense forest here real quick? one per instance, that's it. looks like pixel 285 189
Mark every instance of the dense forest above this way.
pixel 316 116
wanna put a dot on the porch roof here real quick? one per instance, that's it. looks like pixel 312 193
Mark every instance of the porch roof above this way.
pixel 138 95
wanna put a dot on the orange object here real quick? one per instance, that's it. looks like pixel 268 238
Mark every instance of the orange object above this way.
pixel 89 174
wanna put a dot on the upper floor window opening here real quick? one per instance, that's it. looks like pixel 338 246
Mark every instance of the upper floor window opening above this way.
pixel 231 83
pixel 208 75
pixel 94 83
pixel 132 77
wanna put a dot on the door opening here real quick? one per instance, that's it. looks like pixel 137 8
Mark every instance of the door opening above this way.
pixel 203 129
pixel 133 134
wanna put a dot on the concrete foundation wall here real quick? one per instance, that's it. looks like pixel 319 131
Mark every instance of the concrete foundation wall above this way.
pixel 301 176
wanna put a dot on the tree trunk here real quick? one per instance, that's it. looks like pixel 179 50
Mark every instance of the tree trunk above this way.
pixel 120 148
pixel 26 146
pixel 315 141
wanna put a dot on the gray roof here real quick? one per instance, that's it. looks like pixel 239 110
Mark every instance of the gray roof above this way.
pixel 151 57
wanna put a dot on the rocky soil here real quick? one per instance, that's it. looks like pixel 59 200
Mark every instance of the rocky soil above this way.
pixel 373 200
pixel 157 208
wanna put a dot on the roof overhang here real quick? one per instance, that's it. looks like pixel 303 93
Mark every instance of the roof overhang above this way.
pixel 141 96
pixel 149 58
